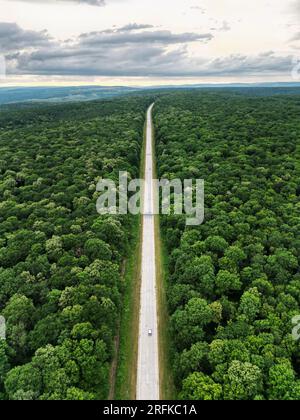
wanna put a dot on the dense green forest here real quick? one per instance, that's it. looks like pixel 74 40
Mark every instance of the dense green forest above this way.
pixel 61 263
pixel 234 281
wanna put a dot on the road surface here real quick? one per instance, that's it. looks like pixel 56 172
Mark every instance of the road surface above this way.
pixel 148 367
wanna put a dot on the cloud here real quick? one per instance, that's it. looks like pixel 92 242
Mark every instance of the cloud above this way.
pixel 123 37
pixel 12 37
pixel 267 63
pixel 131 50
pixel 124 51
pixel 134 27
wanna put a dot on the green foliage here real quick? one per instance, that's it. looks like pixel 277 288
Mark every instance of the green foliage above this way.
pixel 96 248
pixel 283 383
pixel 250 304
pixel 243 381
pixel 200 387
pixel 60 262
pixel 233 284
pixel 233 281
pixel 226 282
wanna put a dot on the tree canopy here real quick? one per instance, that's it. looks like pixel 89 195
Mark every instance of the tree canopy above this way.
pixel 60 262
pixel 233 282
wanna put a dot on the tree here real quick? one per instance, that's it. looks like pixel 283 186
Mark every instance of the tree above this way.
pixel 19 309
pixel 235 254
pixel 200 273
pixel 194 359
pixel 187 323
pixel 54 247
pixel 243 381
pixel 199 386
pixel 23 382
pixel 75 394
pixel 282 382
pixel 216 244
pixel 250 304
pixel 97 249
pixel 226 282
pixel 110 231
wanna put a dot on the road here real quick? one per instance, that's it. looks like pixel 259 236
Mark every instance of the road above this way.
pixel 148 366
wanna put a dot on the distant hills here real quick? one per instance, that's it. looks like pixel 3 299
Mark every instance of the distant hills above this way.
pixel 59 94
pixel 11 95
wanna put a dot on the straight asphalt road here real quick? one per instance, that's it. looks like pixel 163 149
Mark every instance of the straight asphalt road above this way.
pixel 148 366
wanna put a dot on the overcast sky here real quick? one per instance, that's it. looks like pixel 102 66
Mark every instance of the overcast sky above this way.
pixel 132 42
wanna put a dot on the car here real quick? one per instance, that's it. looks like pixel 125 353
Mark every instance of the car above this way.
pixel 150 333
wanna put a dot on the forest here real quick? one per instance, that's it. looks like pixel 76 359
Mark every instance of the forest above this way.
pixel 61 280
pixel 234 281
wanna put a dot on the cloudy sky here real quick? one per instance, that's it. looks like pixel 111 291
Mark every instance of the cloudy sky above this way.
pixel 143 42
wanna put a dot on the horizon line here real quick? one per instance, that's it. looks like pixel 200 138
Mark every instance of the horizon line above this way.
pixel 140 87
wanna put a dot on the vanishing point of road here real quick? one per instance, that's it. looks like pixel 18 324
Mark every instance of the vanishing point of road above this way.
pixel 148 364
